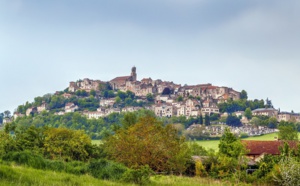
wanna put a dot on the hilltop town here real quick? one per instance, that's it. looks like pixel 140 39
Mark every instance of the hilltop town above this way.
pixel 213 104
pixel 170 99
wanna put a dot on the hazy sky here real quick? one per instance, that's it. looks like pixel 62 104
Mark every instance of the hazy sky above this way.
pixel 251 45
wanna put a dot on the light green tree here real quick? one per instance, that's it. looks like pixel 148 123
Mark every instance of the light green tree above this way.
pixel 287 133
pixel 248 113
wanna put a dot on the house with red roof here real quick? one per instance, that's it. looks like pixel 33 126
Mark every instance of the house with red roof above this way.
pixel 257 149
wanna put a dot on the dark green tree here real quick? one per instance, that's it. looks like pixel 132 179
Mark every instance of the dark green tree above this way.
pixel 244 95
pixel 201 119
pixel 179 98
pixel 150 97
pixel 206 120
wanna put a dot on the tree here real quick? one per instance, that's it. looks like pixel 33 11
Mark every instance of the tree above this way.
pixel 206 120
pixel 1 117
pixel 244 95
pixel 233 121
pixel 272 122
pixel 66 144
pixel 118 100
pixel 287 132
pixel 148 142
pixel 201 119
pixel 288 172
pixel 7 114
pixel 248 113
pixel 269 103
pixel 93 92
pixel 150 97
pixel 230 145
pixel 179 99
pixel 214 117
pixel 129 119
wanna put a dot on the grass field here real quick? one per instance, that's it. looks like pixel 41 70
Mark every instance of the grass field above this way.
pixel 18 175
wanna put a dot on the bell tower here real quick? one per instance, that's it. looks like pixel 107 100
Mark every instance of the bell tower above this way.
pixel 133 73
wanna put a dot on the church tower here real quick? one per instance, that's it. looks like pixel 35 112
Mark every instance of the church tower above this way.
pixel 133 73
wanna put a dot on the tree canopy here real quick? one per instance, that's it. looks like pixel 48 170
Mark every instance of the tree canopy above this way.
pixel 148 142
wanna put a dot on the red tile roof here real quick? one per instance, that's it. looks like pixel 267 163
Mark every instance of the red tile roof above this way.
pixel 122 78
pixel 267 147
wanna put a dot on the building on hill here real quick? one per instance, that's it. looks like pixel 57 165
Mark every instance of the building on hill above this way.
pixel 42 107
pixel 119 82
pixel 17 114
pixel 288 116
pixel 164 110
pixel 7 120
pixel 271 112
pixel 31 110
pixel 85 84
pixel 131 109
pixel 70 107
pixel 209 107
pixel 107 102
pixel 66 95
pixel 94 115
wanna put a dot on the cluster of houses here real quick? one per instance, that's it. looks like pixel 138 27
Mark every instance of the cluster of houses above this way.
pixel 281 116
pixel 166 104
pixel 195 100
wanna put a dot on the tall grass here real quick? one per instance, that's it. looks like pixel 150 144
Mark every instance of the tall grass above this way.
pixel 24 176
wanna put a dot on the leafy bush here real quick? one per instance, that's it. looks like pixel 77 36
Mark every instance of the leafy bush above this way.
pixel 26 158
pixel 139 176
pixel 108 170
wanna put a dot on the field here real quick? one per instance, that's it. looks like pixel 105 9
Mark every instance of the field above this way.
pixel 18 175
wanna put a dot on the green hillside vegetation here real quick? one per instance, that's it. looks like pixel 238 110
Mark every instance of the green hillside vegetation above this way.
pixel 19 175
pixel 136 151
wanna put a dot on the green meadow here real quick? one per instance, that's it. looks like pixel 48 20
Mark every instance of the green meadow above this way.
pixel 19 175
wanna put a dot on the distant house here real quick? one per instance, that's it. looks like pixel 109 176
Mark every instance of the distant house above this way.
pixel 66 95
pixel 42 107
pixel 287 116
pixel 60 113
pixel 107 102
pixel 257 149
pixel 31 110
pixel 16 115
pixel 164 110
pixel 95 115
pixel 131 109
pixel 7 120
pixel 271 112
pixel 70 107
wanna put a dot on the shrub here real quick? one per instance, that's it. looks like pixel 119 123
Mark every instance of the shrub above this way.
pixel 139 176
pixel 104 169
pixel 26 158
pixel 200 169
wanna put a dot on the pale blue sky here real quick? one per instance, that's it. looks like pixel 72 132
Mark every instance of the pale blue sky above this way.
pixel 252 45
